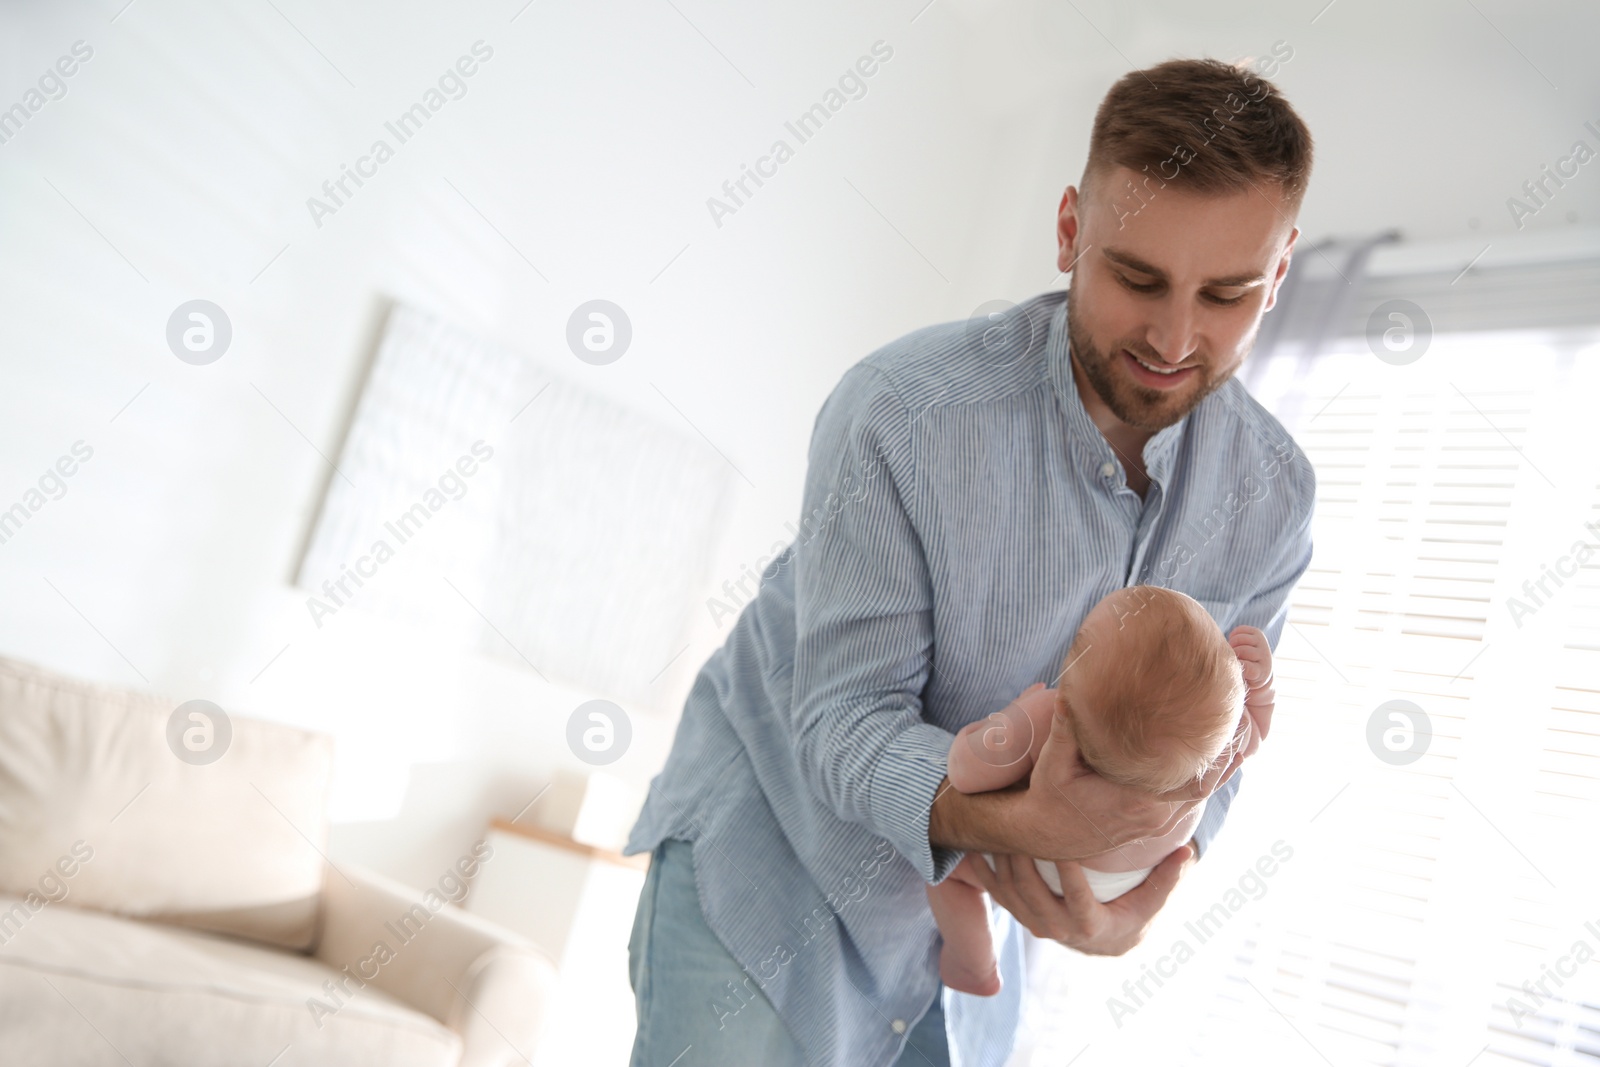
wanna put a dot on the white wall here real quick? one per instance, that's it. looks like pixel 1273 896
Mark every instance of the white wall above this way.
pixel 179 162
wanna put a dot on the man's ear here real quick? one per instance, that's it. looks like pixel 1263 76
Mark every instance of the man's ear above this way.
pixel 1283 268
pixel 1069 227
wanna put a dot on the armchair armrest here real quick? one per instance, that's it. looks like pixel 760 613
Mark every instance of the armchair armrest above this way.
pixel 487 984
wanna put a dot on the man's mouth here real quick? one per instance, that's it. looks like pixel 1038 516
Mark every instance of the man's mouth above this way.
pixel 1156 376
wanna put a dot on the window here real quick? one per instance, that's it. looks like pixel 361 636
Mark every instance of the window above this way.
pixel 1440 903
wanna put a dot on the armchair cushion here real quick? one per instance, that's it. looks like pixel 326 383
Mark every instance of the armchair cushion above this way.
pixel 98 807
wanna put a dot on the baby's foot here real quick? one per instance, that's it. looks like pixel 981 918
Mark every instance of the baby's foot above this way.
pixel 961 976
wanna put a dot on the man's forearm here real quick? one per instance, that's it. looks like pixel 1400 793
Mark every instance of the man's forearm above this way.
pixel 1008 820
pixel 965 821
pixel 977 822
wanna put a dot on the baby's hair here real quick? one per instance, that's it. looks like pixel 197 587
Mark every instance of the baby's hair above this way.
pixel 1154 691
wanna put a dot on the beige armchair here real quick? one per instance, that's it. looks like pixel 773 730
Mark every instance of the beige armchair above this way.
pixel 165 899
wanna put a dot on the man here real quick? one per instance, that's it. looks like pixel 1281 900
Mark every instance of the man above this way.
pixel 972 490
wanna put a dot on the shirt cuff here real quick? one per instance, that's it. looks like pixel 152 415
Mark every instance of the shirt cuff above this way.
pixel 902 792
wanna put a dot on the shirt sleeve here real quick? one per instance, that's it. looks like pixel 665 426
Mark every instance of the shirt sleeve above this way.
pixel 864 625
pixel 1267 609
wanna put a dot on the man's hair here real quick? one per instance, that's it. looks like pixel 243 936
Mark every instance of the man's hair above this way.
pixel 1208 126
pixel 1155 693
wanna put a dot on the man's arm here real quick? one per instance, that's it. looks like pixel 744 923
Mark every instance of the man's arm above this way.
pixel 1083 817
pixel 864 625
pixel 1073 815
pixel 863 656
pixel 863 649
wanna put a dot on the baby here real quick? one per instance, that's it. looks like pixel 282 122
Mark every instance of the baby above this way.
pixel 1152 696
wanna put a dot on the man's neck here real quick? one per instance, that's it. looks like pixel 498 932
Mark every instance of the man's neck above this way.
pixel 1126 441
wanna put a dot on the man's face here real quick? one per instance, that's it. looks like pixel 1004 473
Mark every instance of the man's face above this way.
pixel 1167 291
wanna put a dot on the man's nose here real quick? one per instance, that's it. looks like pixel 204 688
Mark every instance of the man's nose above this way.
pixel 1172 332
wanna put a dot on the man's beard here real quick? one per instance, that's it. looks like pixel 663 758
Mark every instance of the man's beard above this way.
pixel 1142 408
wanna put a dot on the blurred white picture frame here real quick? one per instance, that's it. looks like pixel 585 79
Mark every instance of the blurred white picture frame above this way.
pixel 500 506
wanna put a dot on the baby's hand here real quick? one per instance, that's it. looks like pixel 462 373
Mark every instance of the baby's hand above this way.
pixel 1000 749
pixel 1255 657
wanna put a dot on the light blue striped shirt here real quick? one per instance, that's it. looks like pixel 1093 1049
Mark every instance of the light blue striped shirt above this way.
pixel 962 515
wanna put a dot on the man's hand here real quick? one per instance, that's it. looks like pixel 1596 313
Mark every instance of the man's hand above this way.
pixel 1064 811
pixel 1087 815
pixel 1070 813
pixel 1075 918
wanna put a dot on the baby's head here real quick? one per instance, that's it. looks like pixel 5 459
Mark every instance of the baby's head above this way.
pixel 1152 689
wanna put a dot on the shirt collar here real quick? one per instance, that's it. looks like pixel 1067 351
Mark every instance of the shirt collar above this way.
pixel 1158 451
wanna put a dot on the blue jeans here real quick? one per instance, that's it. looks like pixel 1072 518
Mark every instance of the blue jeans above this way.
pixel 674 958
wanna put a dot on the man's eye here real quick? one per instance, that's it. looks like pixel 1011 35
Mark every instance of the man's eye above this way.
pixel 1218 301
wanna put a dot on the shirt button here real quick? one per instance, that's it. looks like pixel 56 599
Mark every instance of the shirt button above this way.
pixel 898 1026
pixel 1107 469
